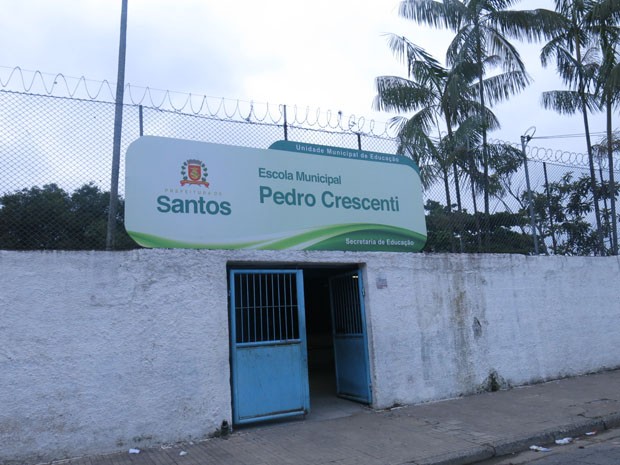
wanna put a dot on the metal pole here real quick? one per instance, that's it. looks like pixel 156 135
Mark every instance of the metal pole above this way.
pixel 359 141
pixel 285 125
pixel 118 126
pixel 555 244
pixel 612 181
pixel 606 218
pixel 524 141
pixel 141 120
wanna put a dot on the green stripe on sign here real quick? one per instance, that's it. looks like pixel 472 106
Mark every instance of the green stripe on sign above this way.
pixel 348 237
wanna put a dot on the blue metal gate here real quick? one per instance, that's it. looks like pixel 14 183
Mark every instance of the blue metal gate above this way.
pixel 350 339
pixel 268 345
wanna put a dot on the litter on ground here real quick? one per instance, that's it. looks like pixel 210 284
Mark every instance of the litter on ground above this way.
pixel 539 449
pixel 134 451
pixel 563 441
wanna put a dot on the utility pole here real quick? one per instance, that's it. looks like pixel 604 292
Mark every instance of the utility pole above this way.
pixel 524 141
pixel 118 127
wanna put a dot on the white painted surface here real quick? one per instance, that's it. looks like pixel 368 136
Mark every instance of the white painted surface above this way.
pixel 445 322
pixel 106 351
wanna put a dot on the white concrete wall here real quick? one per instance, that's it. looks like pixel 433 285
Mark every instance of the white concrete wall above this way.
pixel 445 322
pixel 105 351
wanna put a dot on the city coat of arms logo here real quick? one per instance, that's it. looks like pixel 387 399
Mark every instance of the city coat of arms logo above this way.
pixel 194 172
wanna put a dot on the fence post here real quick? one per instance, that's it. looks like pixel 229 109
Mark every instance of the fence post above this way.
pixel 606 218
pixel 118 127
pixel 553 240
pixel 359 140
pixel 524 141
pixel 141 120
pixel 285 124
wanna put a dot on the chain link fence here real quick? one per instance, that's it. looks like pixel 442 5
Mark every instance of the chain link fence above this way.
pixel 56 161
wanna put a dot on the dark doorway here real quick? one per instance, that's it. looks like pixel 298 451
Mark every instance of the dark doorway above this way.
pixel 324 402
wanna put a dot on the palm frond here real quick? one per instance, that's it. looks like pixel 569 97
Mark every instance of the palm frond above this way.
pixel 572 71
pixel 500 87
pixel 415 142
pixel 465 70
pixel 591 56
pixel 401 95
pixel 408 52
pixel 469 132
pixel 604 11
pixel 462 47
pixel 499 45
pixel 492 61
pixel 421 121
pixel 549 50
pixel 568 102
pixel 600 148
pixel 530 25
pixel 446 13
pixel 495 5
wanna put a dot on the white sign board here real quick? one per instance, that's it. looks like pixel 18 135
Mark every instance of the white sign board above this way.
pixel 187 194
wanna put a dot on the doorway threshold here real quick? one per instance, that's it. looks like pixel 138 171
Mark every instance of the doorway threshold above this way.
pixel 331 408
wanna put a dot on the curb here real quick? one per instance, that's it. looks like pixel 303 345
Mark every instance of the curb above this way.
pixel 469 457
pixel 510 446
pixel 612 420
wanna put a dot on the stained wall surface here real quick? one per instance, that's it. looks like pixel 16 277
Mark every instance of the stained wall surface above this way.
pixel 106 351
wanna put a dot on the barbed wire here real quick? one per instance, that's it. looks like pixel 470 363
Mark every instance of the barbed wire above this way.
pixel 71 85
pixel 61 85
pixel 562 157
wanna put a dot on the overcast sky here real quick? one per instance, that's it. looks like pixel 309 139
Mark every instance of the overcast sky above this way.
pixel 323 53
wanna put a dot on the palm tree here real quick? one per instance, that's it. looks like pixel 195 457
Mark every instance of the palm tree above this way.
pixel 577 63
pixel 483 29
pixel 603 17
pixel 439 98
pixel 434 94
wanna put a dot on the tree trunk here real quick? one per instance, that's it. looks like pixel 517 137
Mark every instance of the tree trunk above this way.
pixel 612 183
pixel 485 150
pixel 593 186
pixel 586 125
pixel 457 188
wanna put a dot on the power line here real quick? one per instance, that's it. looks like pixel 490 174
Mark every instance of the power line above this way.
pixel 568 136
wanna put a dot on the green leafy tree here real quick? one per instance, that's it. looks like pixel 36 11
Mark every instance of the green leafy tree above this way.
pixel 506 234
pixel 49 218
pixel 35 218
pixel 564 214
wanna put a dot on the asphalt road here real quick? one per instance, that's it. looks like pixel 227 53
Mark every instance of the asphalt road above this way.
pixel 599 449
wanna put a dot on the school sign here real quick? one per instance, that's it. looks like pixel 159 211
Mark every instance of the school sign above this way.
pixel 187 194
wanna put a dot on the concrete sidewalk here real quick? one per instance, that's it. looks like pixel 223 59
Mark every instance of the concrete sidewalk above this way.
pixel 459 431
